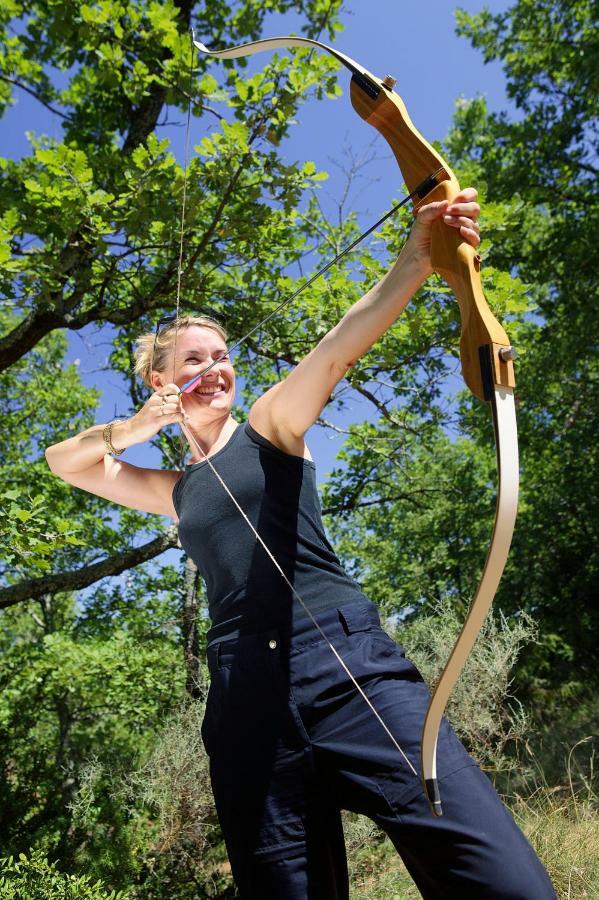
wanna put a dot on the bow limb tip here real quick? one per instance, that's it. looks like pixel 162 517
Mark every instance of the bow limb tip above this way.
pixel 431 786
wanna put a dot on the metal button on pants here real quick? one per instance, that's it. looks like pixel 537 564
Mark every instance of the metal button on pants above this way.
pixel 291 743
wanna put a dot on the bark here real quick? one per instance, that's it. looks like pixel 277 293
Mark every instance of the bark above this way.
pixel 193 682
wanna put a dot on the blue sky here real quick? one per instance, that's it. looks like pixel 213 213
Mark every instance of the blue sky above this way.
pixel 413 41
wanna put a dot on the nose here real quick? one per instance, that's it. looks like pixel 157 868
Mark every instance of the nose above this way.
pixel 208 373
pixel 212 373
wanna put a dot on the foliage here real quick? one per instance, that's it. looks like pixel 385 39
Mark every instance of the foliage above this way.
pixel 412 514
pixel 562 824
pixel 490 722
pixel 34 878
pixel 411 502
pixel 375 868
pixel 178 843
pixel 36 529
pixel 66 698
pixel 546 155
pixel 101 766
pixel 24 533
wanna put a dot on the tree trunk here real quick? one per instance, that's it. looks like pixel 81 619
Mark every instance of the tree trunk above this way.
pixel 193 682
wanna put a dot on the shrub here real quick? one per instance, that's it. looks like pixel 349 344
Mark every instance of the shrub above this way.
pixel 34 878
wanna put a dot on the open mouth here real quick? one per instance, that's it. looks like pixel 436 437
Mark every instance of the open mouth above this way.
pixel 211 390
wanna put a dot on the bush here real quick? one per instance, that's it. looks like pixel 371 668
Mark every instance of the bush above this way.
pixel 489 721
pixel 176 847
pixel 34 878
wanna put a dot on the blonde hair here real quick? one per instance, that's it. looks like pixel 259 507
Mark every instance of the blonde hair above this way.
pixel 152 352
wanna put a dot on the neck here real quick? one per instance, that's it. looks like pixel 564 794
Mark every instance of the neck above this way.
pixel 209 437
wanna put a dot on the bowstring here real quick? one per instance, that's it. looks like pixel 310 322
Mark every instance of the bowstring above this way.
pixel 191 437
pixel 182 224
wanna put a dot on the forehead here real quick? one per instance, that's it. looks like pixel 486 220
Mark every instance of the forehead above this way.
pixel 196 337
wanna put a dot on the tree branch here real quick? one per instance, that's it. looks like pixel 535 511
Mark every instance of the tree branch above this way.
pixel 354 503
pixel 34 94
pixel 78 254
pixel 57 582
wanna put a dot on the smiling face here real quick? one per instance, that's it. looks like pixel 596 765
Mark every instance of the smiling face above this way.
pixel 197 348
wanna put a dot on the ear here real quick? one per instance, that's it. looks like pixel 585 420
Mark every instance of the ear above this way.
pixel 157 380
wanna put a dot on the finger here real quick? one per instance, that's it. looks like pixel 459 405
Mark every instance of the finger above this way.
pixel 431 211
pixel 169 418
pixel 465 195
pixel 168 389
pixel 160 399
pixel 472 210
pixel 168 409
pixel 165 392
pixel 469 235
pixel 462 221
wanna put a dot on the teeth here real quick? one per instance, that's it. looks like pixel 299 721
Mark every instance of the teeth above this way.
pixel 211 390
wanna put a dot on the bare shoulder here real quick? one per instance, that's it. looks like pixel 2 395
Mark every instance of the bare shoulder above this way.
pixel 149 490
pixel 289 409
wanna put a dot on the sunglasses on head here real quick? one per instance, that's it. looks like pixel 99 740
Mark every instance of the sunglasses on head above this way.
pixel 165 320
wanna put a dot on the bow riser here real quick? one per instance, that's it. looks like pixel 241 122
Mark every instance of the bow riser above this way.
pixel 452 258
pixel 479 327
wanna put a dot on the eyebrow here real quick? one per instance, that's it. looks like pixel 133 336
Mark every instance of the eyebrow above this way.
pixel 187 353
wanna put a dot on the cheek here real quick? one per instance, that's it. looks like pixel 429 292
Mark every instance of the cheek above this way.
pixel 232 390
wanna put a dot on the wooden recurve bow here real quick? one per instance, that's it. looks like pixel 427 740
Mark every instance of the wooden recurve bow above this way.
pixel 485 351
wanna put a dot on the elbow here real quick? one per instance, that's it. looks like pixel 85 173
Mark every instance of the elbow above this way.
pixel 340 369
pixel 49 459
pixel 48 455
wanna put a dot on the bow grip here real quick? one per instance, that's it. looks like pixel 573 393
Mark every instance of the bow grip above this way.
pixel 482 336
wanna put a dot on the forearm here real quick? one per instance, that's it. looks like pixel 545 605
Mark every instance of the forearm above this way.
pixel 86 449
pixel 370 317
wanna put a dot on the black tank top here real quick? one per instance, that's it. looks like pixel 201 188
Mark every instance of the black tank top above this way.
pixel 278 493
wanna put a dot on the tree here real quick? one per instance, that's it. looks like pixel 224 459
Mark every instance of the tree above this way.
pixel 89 233
pixel 546 155
pixel 89 228
pixel 412 530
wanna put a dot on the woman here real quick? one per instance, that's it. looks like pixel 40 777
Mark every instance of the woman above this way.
pixel 291 740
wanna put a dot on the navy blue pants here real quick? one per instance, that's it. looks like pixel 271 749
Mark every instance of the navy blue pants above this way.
pixel 291 742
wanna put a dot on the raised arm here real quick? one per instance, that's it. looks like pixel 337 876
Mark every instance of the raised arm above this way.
pixel 85 462
pixel 287 410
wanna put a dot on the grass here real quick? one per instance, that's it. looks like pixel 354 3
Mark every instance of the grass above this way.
pixel 561 823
